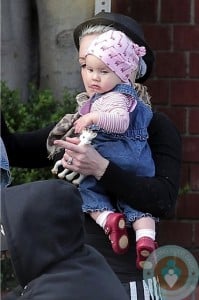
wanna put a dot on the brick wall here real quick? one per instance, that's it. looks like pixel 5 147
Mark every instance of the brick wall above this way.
pixel 172 29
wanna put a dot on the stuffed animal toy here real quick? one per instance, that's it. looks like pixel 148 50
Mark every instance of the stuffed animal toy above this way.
pixel 86 137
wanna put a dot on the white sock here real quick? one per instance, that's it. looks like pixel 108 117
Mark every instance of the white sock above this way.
pixel 101 219
pixel 145 232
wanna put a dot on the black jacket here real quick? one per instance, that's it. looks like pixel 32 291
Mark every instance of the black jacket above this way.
pixel 43 222
pixel 156 195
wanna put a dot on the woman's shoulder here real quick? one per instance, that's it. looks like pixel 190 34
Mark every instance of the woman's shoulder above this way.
pixel 161 117
pixel 163 129
pixel 161 121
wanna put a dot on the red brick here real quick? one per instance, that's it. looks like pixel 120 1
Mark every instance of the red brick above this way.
pixel 170 64
pixel 143 11
pixel 188 206
pixel 175 233
pixel 184 92
pixel 185 177
pixel 197 17
pixel 159 90
pixel 190 149
pixel 195 253
pixel 194 120
pixel 175 11
pixel 177 115
pixel 194 65
pixel 121 6
pixel 158 36
pixel 194 177
pixel 197 234
pixel 186 37
pixel 196 292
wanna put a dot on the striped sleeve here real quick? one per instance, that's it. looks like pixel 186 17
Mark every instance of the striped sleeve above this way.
pixel 113 109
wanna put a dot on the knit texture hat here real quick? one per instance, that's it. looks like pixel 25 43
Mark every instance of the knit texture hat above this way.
pixel 118 52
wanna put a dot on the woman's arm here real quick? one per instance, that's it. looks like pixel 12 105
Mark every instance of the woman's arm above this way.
pixel 156 195
pixel 26 150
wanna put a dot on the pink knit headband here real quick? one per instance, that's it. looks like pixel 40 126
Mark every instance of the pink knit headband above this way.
pixel 118 52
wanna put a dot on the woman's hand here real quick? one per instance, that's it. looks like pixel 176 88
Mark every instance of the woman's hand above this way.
pixel 85 159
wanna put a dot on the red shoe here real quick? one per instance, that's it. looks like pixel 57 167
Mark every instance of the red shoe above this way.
pixel 115 227
pixel 144 247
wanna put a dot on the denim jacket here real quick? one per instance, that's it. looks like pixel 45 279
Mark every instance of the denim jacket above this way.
pixel 5 167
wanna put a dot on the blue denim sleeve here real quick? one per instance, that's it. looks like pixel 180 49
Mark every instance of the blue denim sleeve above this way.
pixel 4 165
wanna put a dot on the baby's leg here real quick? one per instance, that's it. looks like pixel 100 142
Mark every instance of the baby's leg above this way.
pixel 114 226
pixel 145 239
pixel 144 227
pixel 98 205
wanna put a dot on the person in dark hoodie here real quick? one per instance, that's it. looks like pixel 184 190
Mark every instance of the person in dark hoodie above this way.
pixel 45 237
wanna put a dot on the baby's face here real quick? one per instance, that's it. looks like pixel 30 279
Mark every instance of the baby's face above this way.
pixel 99 77
pixel 84 44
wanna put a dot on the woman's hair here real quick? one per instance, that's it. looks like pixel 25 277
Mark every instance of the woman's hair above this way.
pixel 143 93
pixel 94 29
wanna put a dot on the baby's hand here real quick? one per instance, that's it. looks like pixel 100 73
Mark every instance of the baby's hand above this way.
pixel 85 121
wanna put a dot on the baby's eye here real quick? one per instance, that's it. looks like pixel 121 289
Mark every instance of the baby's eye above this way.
pixel 89 69
pixel 104 71
pixel 82 66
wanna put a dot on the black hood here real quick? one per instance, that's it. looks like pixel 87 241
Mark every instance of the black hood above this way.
pixel 41 228
pixel 43 223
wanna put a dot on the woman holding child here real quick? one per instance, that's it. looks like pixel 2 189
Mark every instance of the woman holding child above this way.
pixel 155 195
